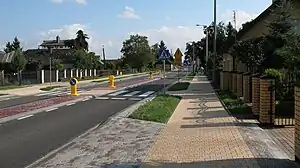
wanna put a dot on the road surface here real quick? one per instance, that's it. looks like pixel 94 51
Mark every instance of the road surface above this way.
pixel 24 141
pixel 32 98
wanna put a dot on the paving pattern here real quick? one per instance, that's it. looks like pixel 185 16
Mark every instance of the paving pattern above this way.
pixel 10 111
pixel 122 142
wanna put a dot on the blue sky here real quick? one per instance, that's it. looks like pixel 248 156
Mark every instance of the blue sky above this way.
pixel 109 22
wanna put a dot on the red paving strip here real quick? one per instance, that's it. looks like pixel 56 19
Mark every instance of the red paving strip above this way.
pixel 10 111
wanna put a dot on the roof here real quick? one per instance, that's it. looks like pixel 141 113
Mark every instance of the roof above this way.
pixel 53 43
pixel 249 25
pixel 6 57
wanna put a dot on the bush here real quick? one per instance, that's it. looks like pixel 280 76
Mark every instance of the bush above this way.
pixel 279 76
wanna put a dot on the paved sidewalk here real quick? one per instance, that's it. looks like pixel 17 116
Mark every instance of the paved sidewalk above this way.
pixel 201 133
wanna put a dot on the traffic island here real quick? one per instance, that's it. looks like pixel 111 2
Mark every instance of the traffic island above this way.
pixel 179 86
pixel 160 109
pixel 50 88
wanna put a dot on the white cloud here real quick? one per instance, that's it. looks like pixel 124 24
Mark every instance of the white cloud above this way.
pixel 57 1
pixel 241 17
pixel 174 37
pixel 129 13
pixel 77 1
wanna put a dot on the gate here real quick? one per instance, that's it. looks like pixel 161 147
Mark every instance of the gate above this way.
pixel 284 108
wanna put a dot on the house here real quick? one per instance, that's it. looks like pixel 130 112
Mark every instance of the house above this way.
pixel 258 27
pixel 56 44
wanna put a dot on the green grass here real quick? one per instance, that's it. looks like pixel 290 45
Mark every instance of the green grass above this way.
pixel 179 86
pixel 49 88
pixel 233 104
pixel 159 109
pixel 9 87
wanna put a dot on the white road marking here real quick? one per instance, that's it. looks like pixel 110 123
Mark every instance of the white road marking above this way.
pixel 135 99
pixel 102 98
pixel 51 109
pixel 70 104
pixel 146 94
pixel 118 98
pixel 132 93
pixel 117 93
pixel 85 100
pixel 6 98
pixel 21 118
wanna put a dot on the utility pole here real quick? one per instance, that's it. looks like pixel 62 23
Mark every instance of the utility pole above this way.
pixel 103 53
pixel 215 40
pixel 193 57
pixel 234 19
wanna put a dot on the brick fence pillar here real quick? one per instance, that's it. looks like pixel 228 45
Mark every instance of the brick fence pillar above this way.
pixel 255 94
pixel 222 80
pixel 267 100
pixel 246 87
pixel 234 87
pixel 225 79
pixel 239 84
pixel 297 122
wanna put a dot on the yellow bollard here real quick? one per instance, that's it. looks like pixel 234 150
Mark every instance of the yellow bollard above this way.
pixel 73 83
pixel 150 76
pixel 111 81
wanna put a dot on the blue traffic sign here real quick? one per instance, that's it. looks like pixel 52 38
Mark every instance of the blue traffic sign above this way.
pixel 73 81
pixel 164 54
pixel 186 62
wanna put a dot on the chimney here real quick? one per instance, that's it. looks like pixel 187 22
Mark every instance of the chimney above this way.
pixel 57 39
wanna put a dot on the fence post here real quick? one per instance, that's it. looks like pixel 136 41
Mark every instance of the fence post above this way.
pixel 234 89
pixel 71 73
pixel 56 75
pixel 42 75
pixel 85 72
pixel 65 73
pixel 230 81
pixel 80 73
pixel 239 84
pixel 267 100
pixel 246 87
pixel 222 80
pixel 297 122
pixel 95 72
pixel 255 94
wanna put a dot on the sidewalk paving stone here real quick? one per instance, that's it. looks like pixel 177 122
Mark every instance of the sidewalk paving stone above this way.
pixel 122 142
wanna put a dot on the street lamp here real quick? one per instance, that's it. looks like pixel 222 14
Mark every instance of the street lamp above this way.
pixel 215 40
pixel 103 53
pixel 206 43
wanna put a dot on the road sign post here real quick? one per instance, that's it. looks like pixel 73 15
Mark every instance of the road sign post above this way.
pixel 73 83
pixel 163 56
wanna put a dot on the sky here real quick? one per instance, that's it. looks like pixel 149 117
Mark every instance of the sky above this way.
pixel 110 22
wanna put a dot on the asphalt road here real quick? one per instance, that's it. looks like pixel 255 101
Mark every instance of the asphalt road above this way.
pixel 24 141
pixel 32 98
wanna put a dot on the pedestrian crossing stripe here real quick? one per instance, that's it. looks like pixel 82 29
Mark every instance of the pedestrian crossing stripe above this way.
pixel 127 93
pixel 57 93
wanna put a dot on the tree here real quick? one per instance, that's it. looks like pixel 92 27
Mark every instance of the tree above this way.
pixel 136 51
pixel 80 59
pixel 276 37
pixel 80 40
pixel 15 45
pixel 18 63
pixel 154 50
pixel 162 45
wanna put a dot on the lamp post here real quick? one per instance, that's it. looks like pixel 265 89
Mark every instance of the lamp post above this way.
pixel 103 53
pixel 215 40
pixel 206 43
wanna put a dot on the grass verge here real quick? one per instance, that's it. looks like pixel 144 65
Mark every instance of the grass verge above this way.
pixel 9 87
pixel 48 88
pixel 179 86
pixel 233 104
pixel 159 109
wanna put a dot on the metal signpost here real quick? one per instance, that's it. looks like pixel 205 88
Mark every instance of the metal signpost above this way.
pixel 163 56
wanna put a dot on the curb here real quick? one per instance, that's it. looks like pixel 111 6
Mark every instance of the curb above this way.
pixel 13 117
